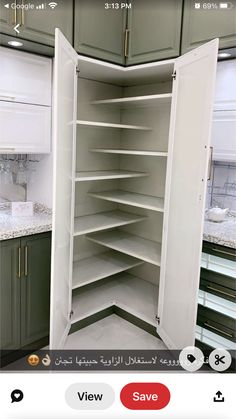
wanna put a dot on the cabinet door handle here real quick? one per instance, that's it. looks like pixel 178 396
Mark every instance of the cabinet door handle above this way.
pixel 127 31
pixel 7 149
pixel 22 13
pixel 26 261
pixel 221 292
pixel 210 164
pixel 223 252
pixel 14 11
pixel 230 335
pixel 6 97
pixel 19 263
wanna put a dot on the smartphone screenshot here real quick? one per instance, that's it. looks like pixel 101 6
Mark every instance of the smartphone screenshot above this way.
pixel 117 209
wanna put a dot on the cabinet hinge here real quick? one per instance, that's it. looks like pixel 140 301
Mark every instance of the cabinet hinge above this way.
pixel 71 314
pixel 158 320
pixel 174 75
pixel 77 70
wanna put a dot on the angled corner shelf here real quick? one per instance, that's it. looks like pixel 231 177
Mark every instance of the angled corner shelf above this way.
pixel 130 152
pixel 136 101
pixel 129 198
pixel 94 268
pixel 104 221
pixel 130 293
pixel 146 250
pixel 111 125
pixel 107 174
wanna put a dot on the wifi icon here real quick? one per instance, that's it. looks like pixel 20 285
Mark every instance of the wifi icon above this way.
pixel 52 4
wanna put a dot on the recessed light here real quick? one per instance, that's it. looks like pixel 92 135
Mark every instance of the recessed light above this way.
pixel 15 43
pixel 224 55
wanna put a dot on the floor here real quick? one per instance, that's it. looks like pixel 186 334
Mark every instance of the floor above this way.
pixel 113 332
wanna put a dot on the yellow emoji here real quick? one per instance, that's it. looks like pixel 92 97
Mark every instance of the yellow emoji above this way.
pixel 33 360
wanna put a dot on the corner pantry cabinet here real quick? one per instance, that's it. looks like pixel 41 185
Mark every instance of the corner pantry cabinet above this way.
pixel 130 170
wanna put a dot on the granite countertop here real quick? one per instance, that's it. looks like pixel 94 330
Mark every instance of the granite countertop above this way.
pixel 11 227
pixel 223 233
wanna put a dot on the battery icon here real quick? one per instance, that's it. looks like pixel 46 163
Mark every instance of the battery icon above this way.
pixel 227 5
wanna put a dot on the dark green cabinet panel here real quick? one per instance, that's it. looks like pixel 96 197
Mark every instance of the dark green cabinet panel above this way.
pixel 218 284
pixel 25 290
pixel 99 32
pixel 35 288
pixel 216 322
pixel 10 294
pixel 154 30
pixel 202 25
pixel 39 25
pixel 8 18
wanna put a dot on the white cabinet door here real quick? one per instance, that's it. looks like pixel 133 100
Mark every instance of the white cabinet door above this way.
pixel 25 77
pixel 189 141
pixel 223 138
pixel 24 128
pixel 64 137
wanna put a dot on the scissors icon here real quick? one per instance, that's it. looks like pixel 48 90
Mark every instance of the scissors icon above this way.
pixel 219 359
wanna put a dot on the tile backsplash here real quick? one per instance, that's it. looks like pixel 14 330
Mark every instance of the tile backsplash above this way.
pixel 26 178
pixel 221 189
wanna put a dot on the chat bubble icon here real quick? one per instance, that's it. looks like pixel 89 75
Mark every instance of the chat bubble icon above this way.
pixel 17 396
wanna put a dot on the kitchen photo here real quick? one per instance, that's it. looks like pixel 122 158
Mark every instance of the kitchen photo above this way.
pixel 117 176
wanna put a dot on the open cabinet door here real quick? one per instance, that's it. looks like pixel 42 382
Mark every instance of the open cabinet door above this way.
pixel 64 137
pixel 186 179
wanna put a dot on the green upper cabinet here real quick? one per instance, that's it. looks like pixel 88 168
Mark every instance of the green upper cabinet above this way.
pixel 99 32
pixel 35 288
pixel 202 25
pixel 154 30
pixel 10 294
pixel 7 19
pixel 38 25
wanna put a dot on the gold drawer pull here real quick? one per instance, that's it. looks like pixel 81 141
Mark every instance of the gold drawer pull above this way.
pixel 218 330
pixel 127 31
pixel 14 11
pixel 221 292
pixel 223 252
pixel 210 164
pixel 22 13
pixel 26 260
pixel 19 263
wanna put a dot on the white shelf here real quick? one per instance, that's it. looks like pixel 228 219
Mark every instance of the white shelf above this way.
pixel 133 199
pixel 111 125
pixel 131 152
pixel 97 267
pixel 104 221
pixel 107 174
pixel 146 250
pixel 135 295
pixel 136 101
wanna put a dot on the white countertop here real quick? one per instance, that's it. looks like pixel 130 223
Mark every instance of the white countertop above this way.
pixel 11 227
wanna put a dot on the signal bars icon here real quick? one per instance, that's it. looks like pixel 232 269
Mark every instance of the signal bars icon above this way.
pixel 53 4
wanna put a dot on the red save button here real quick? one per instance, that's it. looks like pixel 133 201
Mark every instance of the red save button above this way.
pixel 145 396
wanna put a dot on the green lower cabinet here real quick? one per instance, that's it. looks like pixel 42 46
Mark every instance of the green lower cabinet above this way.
pixel 203 24
pixel 10 294
pixel 154 30
pixel 35 288
pixel 25 290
